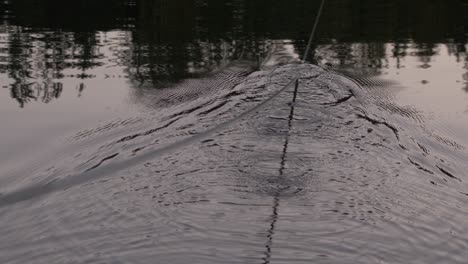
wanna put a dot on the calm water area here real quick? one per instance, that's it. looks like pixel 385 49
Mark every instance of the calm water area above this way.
pixel 157 131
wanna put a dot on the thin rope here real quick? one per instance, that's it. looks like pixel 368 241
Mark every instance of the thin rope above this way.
pixel 277 195
pixel 314 29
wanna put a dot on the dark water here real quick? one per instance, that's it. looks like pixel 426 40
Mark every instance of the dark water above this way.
pixel 151 131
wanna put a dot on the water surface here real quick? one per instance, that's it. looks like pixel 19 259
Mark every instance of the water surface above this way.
pixel 175 131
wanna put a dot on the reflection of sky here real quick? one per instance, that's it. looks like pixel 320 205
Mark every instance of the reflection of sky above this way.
pixel 437 90
pixel 40 127
pixel 434 84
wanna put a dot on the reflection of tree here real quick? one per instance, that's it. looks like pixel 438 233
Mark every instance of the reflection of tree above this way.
pixel 400 51
pixel 425 52
pixel 179 39
pixel 169 40
pixel 23 93
pixel 36 61
pixel 465 76
pixel 39 47
pixel 19 69
pixel 85 53
pixel 462 44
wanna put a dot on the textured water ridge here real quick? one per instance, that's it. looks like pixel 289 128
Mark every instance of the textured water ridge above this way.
pixel 294 164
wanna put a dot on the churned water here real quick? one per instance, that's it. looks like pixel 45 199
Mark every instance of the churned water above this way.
pixel 190 131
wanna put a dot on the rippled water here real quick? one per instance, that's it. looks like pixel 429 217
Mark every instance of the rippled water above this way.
pixel 190 131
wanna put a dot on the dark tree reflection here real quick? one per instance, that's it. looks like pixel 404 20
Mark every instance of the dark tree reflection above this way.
pixel 45 41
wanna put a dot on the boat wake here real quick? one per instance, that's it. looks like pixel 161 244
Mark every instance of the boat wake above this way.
pixel 293 162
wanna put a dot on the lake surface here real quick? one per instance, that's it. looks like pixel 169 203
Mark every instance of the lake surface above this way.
pixel 153 131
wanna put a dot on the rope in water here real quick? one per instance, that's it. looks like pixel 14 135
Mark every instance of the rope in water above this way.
pixel 277 195
pixel 314 29
pixel 35 191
